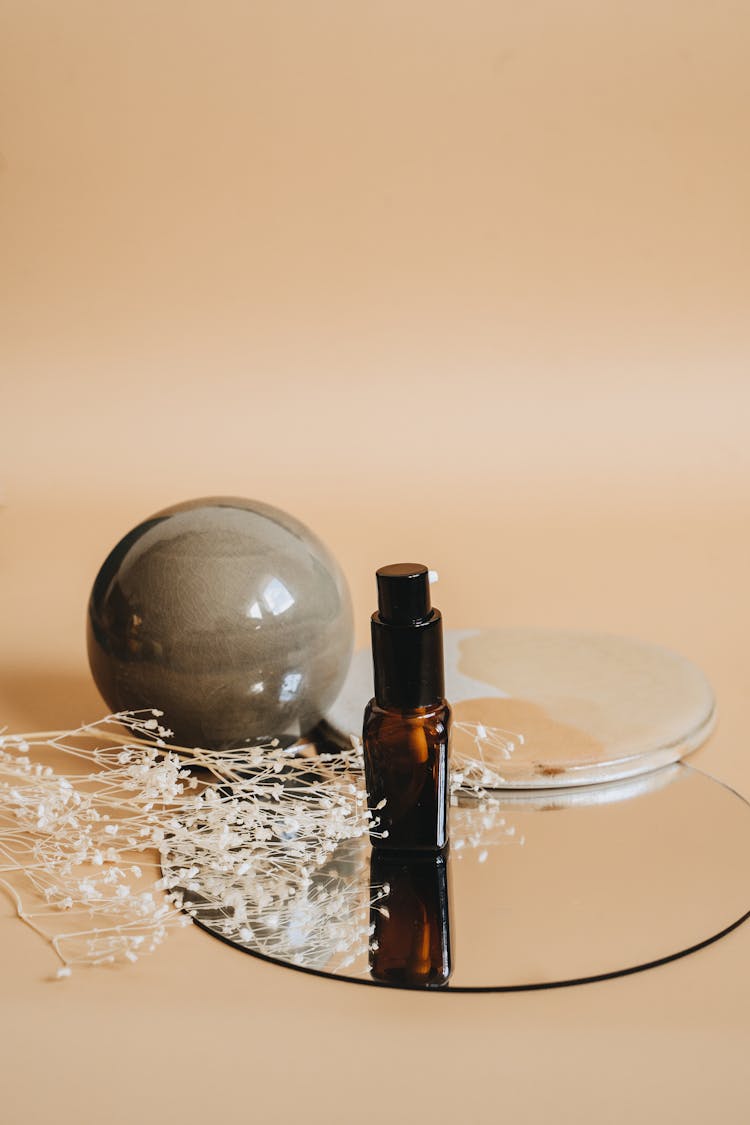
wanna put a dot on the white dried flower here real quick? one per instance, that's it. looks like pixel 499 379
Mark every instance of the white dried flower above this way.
pixel 259 838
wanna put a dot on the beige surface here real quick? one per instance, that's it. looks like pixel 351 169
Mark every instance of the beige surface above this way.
pixel 462 282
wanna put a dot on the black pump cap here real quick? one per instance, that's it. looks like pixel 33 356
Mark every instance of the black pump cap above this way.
pixel 407 639
pixel 404 593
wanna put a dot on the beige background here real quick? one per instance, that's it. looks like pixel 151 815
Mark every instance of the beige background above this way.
pixel 467 282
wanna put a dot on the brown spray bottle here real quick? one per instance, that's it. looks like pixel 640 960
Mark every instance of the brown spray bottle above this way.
pixel 406 725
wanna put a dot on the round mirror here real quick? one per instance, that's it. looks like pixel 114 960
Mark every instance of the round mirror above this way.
pixel 548 708
pixel 537 890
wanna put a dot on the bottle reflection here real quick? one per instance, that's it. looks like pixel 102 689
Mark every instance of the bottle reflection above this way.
pixel 410 942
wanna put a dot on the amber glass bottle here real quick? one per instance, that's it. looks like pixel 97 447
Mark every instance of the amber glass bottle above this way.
pixel 407 724
pixel 410 944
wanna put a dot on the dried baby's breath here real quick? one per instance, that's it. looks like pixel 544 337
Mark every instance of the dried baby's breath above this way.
pixel 90 818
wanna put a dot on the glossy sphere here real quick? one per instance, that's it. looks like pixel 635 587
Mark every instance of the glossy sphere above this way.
pixel 228 615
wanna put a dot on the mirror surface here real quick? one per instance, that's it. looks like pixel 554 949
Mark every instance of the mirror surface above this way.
pixel 538 890
pixel 555 708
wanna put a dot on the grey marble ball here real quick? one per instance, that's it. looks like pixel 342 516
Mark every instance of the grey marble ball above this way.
pixel 228 615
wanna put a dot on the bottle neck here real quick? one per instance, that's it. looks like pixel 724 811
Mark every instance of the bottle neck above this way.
pixel 408 663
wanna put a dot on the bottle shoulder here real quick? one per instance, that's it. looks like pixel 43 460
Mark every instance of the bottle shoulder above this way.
pixel 439 712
